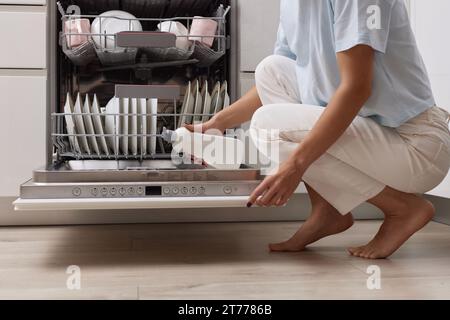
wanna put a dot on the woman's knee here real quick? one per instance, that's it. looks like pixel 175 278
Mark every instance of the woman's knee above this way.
pixel 263 118
pixel 268 68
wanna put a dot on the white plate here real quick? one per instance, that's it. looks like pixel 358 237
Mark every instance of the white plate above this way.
pixel 98 126
pixel 206 102
pixel 198 109
pixel 79 125
pixel 188 106
pixel 224 98
pixel 142 125
pixel 152 124
pixel 215 96
pixel 70 124
pixel 133 130
pixel 109 23
pixel 124 126
pixel 112 124
pixel 90 125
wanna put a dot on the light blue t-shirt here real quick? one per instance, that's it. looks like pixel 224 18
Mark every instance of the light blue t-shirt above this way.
pixel 312 31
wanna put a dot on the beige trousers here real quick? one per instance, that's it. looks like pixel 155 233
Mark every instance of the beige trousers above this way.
pixel 413 158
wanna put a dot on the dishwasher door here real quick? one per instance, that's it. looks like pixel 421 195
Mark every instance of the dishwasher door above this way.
pixel 137 190
pixel 129 203
pixel 132 184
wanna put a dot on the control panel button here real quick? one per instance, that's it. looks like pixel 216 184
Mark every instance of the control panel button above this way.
pixel 175 190
pixel 122 191
pixel 228 190
pixel 193 190
pixel 94 192
pixel 104 191
pixel 113 191
pixel 185 190
pixel 202 190
pixel 131 191
pixel 140 191
pixel 76 192
pixel 166 190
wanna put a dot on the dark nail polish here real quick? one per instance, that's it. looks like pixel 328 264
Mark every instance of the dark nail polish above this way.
pixel 249 204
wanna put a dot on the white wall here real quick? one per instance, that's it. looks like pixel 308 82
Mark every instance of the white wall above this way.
pixel 430 21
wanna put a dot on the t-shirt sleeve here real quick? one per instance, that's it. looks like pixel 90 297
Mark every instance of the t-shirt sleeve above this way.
pixel 362 22
pixel 282 46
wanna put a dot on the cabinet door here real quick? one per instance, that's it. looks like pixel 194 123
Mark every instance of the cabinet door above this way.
pixel 23 37
pixel 22 127
pixel 430 20
pixel 258 26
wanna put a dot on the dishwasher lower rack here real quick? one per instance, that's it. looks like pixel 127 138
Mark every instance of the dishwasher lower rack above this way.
pixel 129 128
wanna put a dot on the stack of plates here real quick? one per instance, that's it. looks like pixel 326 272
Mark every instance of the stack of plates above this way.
pixel 126 127
pixel 200 104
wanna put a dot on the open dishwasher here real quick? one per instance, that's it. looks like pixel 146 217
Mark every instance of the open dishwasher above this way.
pixel 131 78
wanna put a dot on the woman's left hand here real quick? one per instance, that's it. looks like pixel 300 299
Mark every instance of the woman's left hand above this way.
pixel 276 190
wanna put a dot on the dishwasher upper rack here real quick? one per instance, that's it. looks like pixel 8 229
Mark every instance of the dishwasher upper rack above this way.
pixel 158 46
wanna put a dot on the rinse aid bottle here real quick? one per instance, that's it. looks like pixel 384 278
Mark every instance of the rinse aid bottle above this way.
pixel 219 152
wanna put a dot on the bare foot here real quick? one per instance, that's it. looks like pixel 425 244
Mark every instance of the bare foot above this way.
pixel 325 221
pixel 397 228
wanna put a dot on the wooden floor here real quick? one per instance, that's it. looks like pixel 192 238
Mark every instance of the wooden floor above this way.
pixel 219 261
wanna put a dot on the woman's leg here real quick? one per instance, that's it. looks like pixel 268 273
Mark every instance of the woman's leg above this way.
pixel 366 159
pixel 405 214
pixel 276 81
pixel 324 221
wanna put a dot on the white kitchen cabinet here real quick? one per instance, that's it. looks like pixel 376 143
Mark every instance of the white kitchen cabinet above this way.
pixel 430 24
pixel 22 127
pixel 23 36
pixel 258 26
pixel 24 2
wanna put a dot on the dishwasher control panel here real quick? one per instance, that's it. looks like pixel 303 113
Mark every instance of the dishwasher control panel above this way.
pixel 137 190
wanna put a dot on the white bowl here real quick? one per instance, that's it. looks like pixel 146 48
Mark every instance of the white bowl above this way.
pixel 179 30
pixel 110 23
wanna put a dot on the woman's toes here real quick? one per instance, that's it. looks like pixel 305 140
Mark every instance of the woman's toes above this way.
pixel 278 247
pixel 356 251
pixel 285 246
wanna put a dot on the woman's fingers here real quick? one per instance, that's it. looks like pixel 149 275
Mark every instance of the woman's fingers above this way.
pixel 283 200
pixel 194 128
pixel 259 191
pixel 269 197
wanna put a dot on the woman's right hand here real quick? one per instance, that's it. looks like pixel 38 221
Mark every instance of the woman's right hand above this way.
pixel 212 126
pixel 239 112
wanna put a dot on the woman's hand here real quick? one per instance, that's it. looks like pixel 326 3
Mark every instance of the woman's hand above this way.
pixel 231 117
pixel 213 126
pixel 276 190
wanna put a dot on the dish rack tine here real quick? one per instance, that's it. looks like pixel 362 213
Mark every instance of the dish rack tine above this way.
pixel 60 9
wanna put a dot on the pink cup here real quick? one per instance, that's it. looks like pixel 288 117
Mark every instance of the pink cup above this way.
pixel 203 30
pixel 74 30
